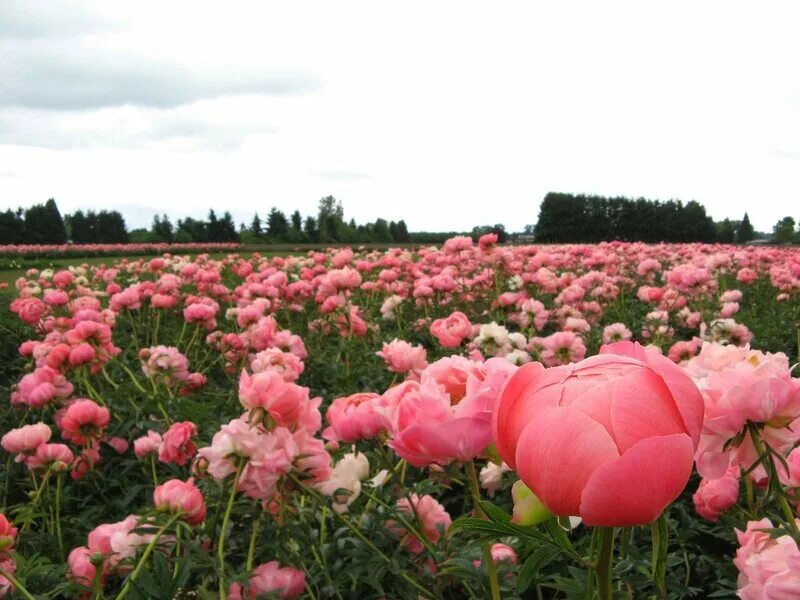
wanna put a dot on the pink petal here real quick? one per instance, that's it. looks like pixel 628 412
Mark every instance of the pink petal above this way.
pixel 557 454
pixel 642 407
pixel 459 439
pixel 637 487
pixel 687 397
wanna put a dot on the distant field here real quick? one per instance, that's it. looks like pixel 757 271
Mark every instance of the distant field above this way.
pixel 9 272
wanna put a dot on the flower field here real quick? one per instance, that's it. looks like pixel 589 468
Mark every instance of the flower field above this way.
pixel 471 421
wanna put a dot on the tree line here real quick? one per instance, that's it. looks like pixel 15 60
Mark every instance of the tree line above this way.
pixel 570 218
pixel 563 218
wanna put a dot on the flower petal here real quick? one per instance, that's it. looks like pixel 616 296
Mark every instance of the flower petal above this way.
pixel 637 487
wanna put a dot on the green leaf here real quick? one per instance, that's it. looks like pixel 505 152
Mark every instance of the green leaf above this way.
pixel 533 564
pixel 660 535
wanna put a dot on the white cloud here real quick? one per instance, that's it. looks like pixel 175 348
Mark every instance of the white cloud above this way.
pixel 446 114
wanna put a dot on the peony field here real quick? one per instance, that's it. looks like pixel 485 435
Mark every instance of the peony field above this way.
pixel 471 420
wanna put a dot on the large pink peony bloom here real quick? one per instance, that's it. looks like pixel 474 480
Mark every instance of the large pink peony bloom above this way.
pixel 401 357
pixel 740 386
pixel 84 421
pixel 176 496
pixel 447 416
pixel 283 400
pixel 451 331
pixel 353 418
pixel 769 568
pixel 590 438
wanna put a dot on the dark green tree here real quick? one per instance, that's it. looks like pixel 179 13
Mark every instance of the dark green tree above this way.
pixel 783 231
pixel 255 225
pixel 277 225
pixel 380 231
pixel 310 229
pixel 227 228
pixel 11 227
pixel 297 221
pixel 726 234
pixel 745 231
pixel 402 236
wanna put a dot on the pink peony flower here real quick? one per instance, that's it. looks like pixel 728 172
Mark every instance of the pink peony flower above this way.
pixel 176 496
pixel 586 438
pixel 353 418
pixel 270 578
pixel 714 496
pixel 177 445
pixel 25 439
pixel 283 401
pixel 769 568
pixel 147 444
pixel 84 421
pixel 432 516
pixel 401 357
pixel 451 331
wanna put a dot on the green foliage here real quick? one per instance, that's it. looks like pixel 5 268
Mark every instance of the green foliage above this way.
pixel 577 218
pixel 745 231
pixel 783 232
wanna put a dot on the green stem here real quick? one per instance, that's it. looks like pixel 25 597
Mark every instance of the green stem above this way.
pixel 604 563
pixel 251 550
pixel 153 469
pixel 346 522
pixel 143 560
pixel 491 568
pixel 133 378
pixel 15 582
pixel 765 454
pixel 177 552
pixel 59 486
pixel 223 592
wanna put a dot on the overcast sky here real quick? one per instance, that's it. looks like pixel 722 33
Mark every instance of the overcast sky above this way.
pixel 446 114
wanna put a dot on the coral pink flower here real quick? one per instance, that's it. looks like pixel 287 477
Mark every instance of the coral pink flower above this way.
pixel 147 444
pixel 41 387
pixel 741 386
pixel 451 331
pixel 63 279
pixel 115 541
pixel 119 444
pixel 80 567
pixel 177 445
pixel 353 418
pixel 29 310
pixel 401 357
pixel 288 365
pixel 429 425
pixel 8 535
pixel 313 462
pixel 176 496
pixel 433 517
pixel 283 401
pixel 84 421
pixel 562 348
pixel 769 568
pixel 56 457
pixel 270 578
pixel 25 439
pixel 714 496
pixel 587 438
pixel 85 462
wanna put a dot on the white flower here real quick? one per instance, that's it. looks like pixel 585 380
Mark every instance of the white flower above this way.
pixel 491 477
pixel 344 485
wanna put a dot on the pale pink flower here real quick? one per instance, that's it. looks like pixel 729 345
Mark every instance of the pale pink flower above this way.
pixel 432 516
